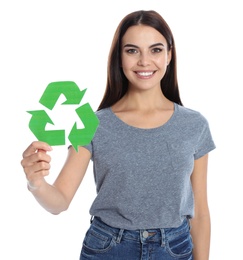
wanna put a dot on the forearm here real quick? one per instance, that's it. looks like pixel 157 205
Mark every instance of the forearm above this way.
pixel 49 197
pixel 200 231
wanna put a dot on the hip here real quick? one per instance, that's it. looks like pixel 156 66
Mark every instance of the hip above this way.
pixel 105 242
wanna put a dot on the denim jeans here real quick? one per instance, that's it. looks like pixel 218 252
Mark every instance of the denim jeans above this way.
pixel 103 242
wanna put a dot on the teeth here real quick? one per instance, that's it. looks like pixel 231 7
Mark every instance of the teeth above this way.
pixel 145 74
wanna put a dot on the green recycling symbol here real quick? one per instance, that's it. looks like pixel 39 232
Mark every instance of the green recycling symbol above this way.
pixel 73 95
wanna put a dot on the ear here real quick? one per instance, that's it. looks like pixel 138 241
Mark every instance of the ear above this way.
pixel 169 56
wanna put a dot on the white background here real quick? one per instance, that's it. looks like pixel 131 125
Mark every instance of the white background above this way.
pixel 46 41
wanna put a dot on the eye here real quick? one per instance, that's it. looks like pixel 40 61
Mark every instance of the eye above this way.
pixel 131 51
pixel 157 50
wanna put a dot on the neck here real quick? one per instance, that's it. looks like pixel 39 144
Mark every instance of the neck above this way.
pixel 143 100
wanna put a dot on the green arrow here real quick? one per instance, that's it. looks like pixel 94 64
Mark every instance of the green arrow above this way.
pixel 53 91
pixel 81 137
pixel 37 125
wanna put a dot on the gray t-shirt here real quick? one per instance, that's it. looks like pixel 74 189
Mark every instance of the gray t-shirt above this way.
pixel 142 176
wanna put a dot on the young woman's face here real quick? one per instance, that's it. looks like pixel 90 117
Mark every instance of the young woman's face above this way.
pixel 144 57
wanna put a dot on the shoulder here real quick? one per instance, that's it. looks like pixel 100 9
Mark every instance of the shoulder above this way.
pixel 103 113
pixel 190 115
pixel 106 118
pixel 188 112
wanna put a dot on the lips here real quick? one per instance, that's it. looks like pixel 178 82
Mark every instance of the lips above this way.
pixel 145 74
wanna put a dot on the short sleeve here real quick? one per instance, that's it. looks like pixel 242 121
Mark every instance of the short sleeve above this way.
pixel 205 142
pixel 88 147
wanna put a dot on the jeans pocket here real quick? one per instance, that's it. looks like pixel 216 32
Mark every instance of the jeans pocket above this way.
pixel 97 241
pixel 181 246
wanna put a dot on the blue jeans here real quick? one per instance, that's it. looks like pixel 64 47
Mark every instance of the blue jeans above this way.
pixel 103 242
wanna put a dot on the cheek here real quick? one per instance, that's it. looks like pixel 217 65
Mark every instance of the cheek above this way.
pixel 126 63
pixel 127 68
pixel 161 65
pixel 126 72
pixel 162 60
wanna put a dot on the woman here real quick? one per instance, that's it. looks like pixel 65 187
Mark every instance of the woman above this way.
pixel 149 154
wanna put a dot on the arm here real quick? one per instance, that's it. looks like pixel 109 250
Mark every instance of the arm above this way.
pixel 201 222
pixel 57 197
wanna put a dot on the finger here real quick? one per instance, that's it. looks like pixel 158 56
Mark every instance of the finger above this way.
pixel 41 150
pixel 34 146
pixel 36 172
pixel 37 168
pixel 34 158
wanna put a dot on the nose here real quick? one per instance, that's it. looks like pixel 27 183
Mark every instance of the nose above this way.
pixel 144 59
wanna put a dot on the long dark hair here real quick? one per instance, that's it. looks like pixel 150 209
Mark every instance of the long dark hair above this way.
pixel 117 83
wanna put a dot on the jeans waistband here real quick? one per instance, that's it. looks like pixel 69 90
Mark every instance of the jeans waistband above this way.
pixel 143 235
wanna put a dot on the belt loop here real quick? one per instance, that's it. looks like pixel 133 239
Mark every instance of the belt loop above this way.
pixel 162 237
pixel 119 237
pixel 91 219
pixel 189 222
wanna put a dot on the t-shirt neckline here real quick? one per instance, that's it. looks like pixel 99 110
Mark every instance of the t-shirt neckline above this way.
pixel 124 124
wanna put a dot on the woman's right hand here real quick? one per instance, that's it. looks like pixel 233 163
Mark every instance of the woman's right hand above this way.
pixel 36 163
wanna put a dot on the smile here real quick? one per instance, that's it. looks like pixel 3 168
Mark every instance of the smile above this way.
pixel 145 73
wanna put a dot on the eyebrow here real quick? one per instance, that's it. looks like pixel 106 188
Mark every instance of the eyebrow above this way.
pixel 151 46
